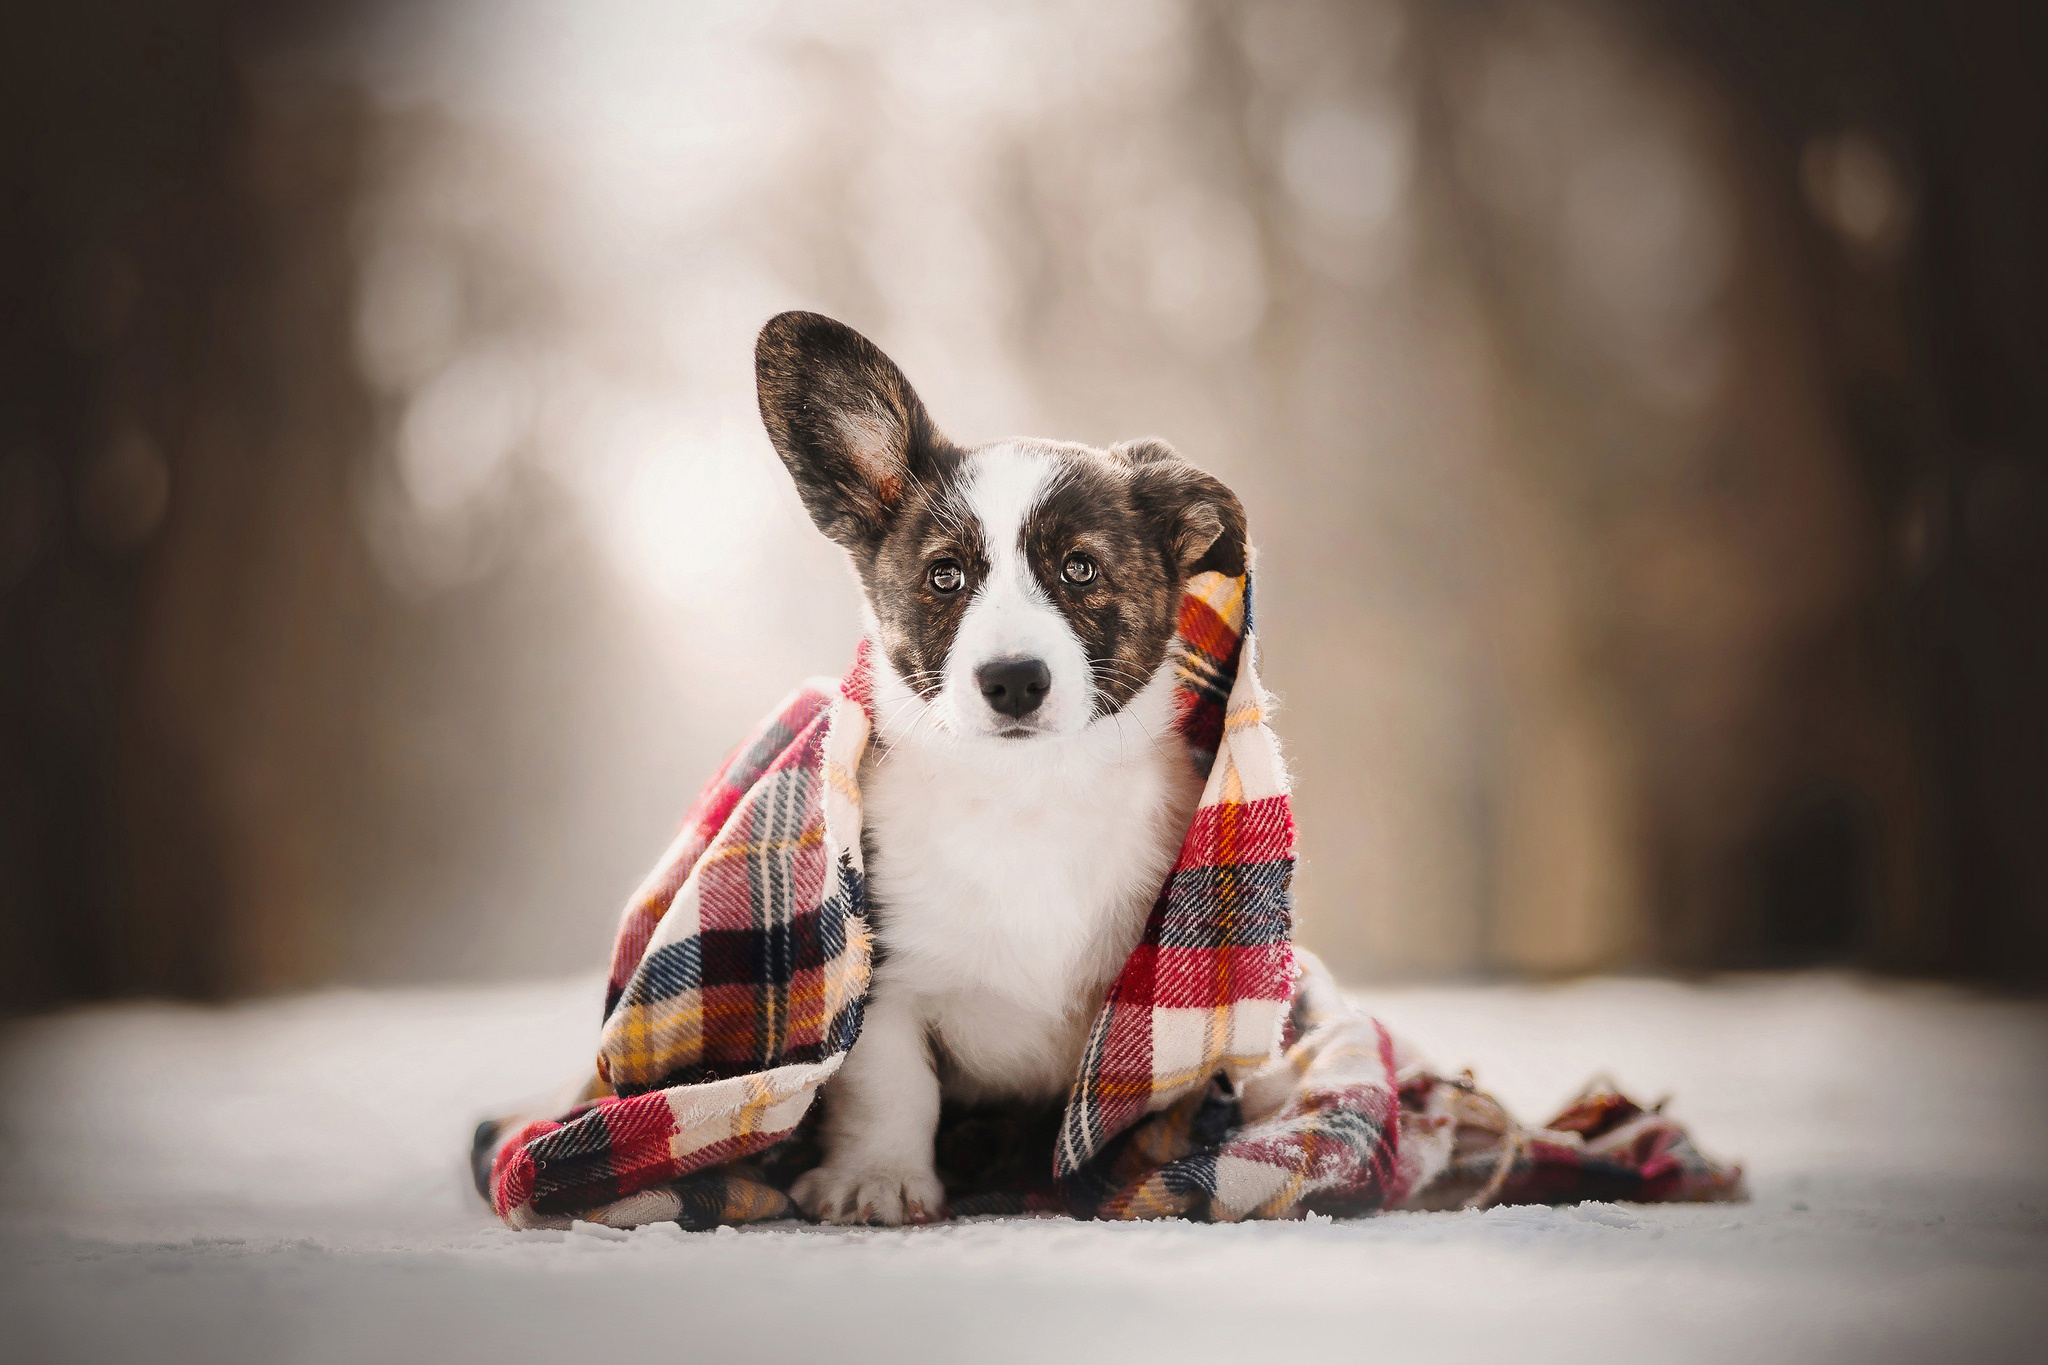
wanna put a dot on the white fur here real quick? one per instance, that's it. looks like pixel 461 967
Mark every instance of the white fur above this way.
pixel 1012 876
pixel 1010 615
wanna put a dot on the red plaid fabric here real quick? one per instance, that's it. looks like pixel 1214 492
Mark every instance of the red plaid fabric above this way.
pixel 737 975
pixel 1207 987
pixel 1224 1076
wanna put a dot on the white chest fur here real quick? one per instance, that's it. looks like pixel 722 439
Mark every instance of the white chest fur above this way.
pixel 1012 880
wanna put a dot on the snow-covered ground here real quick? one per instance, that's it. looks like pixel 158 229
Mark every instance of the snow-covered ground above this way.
pixel 283 1181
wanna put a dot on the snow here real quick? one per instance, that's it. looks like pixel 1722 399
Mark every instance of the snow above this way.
pixel 283 1180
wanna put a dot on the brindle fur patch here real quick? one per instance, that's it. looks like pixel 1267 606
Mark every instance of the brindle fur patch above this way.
pixel 1148 523
pixel 918 621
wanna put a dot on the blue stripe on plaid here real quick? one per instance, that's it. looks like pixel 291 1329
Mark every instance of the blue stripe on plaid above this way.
pixel 1258 899
pixel 1194 1174
pixel 775 739
pixel 667 971
pixel 848 901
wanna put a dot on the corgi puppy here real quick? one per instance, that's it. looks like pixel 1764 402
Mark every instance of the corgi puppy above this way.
pixel 1027 789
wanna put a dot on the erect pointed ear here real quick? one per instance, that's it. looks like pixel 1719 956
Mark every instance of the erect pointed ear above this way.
pixel 845 421
pixel 1201 520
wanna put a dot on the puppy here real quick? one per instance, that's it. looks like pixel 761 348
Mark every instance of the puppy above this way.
pixel 1028 790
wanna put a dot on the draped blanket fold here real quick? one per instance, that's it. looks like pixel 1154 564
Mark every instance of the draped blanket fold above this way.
pixel 1224 1077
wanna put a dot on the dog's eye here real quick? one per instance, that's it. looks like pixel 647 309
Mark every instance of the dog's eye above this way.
pixel 945 576
pixel 1079 569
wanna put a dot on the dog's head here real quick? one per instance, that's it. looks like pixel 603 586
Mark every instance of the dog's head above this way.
pixel 1019 589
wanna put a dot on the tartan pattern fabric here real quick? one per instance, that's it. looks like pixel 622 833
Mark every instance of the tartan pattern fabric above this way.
pixel 1207 987
pixel 1224 1076
pixel 1313 1126
pixel 1602 1146
pixel 737 974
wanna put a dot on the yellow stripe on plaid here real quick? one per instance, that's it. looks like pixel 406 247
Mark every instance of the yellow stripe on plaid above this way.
pixel 1223 594
pixel 641 1041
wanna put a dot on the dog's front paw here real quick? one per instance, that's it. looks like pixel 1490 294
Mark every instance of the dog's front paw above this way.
pixel 869 1193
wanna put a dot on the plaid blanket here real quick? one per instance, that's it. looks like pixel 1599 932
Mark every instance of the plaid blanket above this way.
pixel 1224 1077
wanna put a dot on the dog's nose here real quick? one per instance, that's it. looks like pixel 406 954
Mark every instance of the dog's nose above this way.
pixel 1014 687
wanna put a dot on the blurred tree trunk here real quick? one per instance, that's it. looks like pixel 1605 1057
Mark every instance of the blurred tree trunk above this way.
pixel 178 421
pixel 1936 366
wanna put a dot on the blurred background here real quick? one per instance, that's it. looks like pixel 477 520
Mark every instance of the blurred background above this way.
pixel 1642 411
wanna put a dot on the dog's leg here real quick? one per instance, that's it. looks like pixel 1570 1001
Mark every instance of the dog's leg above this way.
pixel 881 1112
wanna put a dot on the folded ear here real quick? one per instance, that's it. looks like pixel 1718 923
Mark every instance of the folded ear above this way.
pixel 1201 520
pixel 847 423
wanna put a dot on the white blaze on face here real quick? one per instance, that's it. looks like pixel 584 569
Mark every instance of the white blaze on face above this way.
pixel 1010 615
